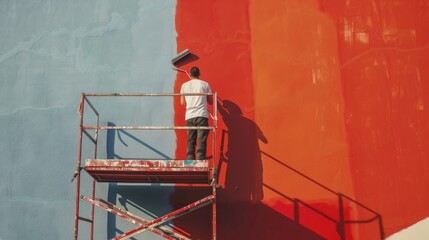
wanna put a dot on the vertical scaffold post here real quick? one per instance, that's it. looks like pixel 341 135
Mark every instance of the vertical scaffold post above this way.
pixel 91 231
pixel 214 186
pixel 78 163
pixel 93 180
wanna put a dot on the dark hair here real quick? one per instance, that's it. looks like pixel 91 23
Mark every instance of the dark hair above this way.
pixel 195 72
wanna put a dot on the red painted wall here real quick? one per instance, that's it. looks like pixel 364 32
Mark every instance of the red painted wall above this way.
pixel 319 97
pixel 383 48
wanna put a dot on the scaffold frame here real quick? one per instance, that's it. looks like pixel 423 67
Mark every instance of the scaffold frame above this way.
pixel 174 171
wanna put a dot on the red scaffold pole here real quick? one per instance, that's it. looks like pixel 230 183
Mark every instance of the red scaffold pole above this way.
pixel 77 172
pixel 214 180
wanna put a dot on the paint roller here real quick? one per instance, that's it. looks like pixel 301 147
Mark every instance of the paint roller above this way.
pixel 177 58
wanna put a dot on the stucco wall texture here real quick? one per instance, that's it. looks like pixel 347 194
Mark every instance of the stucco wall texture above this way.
pixel 317 97
pixel 51 52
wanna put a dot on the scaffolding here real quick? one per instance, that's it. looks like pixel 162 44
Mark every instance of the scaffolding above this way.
pixel 175 171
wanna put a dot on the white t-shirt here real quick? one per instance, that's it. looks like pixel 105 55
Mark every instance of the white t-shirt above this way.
pixel 196 106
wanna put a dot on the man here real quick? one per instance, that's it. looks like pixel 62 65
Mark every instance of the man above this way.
pixel 196 113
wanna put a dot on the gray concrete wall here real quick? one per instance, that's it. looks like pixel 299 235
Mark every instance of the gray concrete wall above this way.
pixel 50 52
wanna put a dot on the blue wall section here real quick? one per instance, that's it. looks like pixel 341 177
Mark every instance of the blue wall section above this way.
pixel 50 52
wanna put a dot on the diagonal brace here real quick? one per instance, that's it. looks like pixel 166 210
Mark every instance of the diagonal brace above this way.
pixel 168 217
pixel 162 231
pixel 142 221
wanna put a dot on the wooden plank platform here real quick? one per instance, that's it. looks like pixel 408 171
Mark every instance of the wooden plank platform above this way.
pixel 149 171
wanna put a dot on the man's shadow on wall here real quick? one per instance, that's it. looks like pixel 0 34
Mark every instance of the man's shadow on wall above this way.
pixel 240 212
pixel 240 198
pixel 240 155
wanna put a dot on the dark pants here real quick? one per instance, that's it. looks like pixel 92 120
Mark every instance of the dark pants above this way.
pixel 199 135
